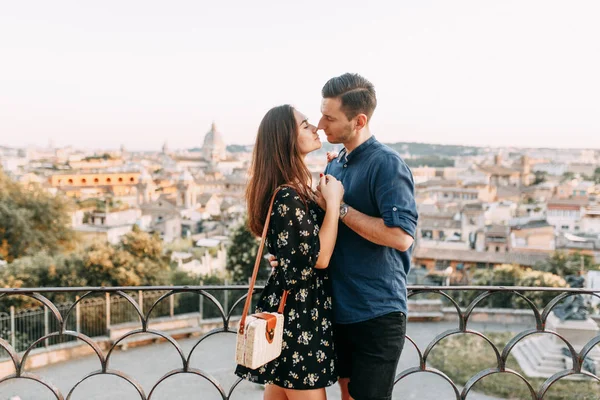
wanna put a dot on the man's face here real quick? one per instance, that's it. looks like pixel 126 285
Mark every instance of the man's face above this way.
pixel 334 122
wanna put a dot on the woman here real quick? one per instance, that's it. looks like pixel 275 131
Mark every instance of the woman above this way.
pixel 301 236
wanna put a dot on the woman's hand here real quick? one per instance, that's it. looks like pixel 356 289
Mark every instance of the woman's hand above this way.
pixel 332 190
pixel 331 155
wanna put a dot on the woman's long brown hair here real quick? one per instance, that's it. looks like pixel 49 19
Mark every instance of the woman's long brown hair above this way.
pixel 276 160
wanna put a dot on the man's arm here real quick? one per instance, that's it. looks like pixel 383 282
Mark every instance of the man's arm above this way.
pixel 393 189
pixel 374 230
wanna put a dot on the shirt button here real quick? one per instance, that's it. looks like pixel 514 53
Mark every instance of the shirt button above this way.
pixel 395 209
pixel 345 165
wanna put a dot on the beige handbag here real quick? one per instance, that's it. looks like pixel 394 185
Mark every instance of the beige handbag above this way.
pixel 260 336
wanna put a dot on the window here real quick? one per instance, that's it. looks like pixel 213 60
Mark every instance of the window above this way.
pixel 120 179
pixel 96 180
pixel 497 249
pixel 83 181
pixel 108 180
pixel 131 179
pixel 71 181
pixel 441 265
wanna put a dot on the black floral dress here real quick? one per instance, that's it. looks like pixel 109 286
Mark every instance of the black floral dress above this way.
pixel 307 359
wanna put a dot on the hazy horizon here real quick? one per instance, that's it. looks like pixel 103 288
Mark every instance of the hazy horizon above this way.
pixel 468 72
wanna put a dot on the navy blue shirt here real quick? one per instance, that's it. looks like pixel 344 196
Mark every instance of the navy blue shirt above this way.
pixel 369 280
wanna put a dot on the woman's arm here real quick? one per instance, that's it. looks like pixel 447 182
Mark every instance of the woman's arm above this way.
pixel 328 235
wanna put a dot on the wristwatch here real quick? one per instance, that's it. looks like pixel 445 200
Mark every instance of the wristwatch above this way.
pixel 343 210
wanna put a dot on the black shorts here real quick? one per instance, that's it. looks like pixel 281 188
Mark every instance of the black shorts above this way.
pixel 368 354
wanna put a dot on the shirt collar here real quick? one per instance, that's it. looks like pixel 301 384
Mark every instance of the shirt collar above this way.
pixel 345 157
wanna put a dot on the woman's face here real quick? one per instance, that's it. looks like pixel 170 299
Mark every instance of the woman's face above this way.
pixel 308 140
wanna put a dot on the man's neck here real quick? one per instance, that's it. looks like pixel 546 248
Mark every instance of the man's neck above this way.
pixel 357 139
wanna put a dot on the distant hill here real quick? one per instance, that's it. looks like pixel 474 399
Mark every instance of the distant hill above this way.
pixel 428 149
pixel 414 149
pixel 239 148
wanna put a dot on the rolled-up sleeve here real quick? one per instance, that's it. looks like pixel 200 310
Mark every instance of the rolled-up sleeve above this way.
pixel 395 194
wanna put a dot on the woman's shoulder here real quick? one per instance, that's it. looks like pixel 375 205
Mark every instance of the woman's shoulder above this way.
pixel 287 194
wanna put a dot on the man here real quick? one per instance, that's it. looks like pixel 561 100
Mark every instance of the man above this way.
pixel 373 250
pixel 372 254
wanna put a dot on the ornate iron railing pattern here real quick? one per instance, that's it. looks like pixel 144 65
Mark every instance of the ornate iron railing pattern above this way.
pixel 226 313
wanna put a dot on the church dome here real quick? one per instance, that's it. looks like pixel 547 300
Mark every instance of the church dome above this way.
pixel 213 138
pixel 213 148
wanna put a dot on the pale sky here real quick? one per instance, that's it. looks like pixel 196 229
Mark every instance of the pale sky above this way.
pixel 472 72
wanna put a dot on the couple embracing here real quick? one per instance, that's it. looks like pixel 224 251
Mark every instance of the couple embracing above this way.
pixel 343 251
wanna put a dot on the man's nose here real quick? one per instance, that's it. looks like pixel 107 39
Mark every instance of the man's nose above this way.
pixel 321 124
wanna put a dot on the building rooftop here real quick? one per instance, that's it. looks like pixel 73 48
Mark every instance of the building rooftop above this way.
pixel 498 170
pixel 532 225
pixel 473 256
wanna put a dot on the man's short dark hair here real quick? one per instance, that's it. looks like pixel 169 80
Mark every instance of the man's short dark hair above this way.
pixel 356 93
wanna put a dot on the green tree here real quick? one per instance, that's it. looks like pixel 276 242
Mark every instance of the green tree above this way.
pixel 31 221
pixel 597 175
pixel 533 278
pixel 567 176
pixel 540 177
pixel 514 275
pixel 42 270
pixel 136 260
pixel 241 255
pixel 502 275
pixel 564 264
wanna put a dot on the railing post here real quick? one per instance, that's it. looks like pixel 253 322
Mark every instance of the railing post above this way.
pixel 141 300
pixel 77 315
pixel 201 303
pixel 46 326
pixel 107 299
pixel 172 305
pixel 226 298
pixel 13 337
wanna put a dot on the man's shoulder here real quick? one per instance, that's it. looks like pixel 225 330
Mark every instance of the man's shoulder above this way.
pixel 385 156
pixel 385 150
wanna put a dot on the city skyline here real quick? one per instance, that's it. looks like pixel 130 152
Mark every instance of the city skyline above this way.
pixel 473 73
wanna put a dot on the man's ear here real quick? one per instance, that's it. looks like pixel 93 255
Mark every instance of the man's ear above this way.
pixel 361 121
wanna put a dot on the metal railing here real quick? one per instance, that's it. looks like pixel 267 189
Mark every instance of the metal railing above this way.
pixel 65 321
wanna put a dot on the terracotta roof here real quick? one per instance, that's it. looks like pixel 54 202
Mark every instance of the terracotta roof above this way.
pixel 532 225
pixel 439 182
pixel 567 204
pixel 512 257
pixel 497 229
pixel 498 170
pixel 428 223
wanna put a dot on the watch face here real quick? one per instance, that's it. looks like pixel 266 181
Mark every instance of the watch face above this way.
pixel 343 210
